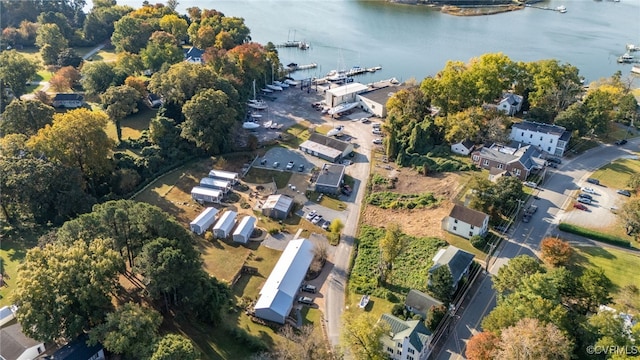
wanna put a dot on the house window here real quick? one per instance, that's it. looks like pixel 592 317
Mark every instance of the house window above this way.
pixel 500 166
pixel 548 148
pixel 522 133
pixel 517 172
pixel 409 357
pixel 389 349
pixel 455 221
pixel 411 351
pixel 399 352
pixel 550 141
pixel 399 345
pixel 486 162
pixel 470 233
pixel 455 228
pixel 476 157
pixel 540 138
pixel 471 227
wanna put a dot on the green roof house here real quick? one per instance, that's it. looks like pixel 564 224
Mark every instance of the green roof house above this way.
pixel 407 340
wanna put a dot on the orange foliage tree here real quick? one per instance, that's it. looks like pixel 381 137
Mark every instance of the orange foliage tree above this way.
pixel 482 346
pixel 555 252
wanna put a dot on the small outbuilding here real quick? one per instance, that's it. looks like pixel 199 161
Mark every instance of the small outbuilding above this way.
pixel 277 206
pixel 244 229
pixel 206 218
pixel 229 176
pixel 464 147
pixel 213 183
pixel 330 179
pixel 222 228
pixel 203 194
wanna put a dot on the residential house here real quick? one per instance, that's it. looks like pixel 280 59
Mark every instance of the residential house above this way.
pixel 466 222
pixel 194 55
pixel 495 174
pixel 520 162
pixel 229 176
pixel 326 147
pixel 78 350
pixel 277 206
pixel 464 147
pixel 551 139
pixel 224 225
pixel 330 179
pixel 510 103
pixel 202 194
pixel 204 220
pixel 419 303
pixel 15 345
pixel 407 340
pixel 458 261
pixel 155 101
pixel 69 101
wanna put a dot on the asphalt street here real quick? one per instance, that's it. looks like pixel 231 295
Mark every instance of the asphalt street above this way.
pixel 555 194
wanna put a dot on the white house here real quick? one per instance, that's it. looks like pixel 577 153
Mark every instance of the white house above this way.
pixel 203 194
pixel 15 345
pixel 344 94
pixel 407 340
pixel 222 228
pixel 69 101
pixel 510 103
pixel 229 176
pixel 203 221
pixel 466 222
pixel 458 261
pixel 551 139
pixel 215 183
pixel 244 229
pixel 194 55
pixel 279 291
pixel 464 147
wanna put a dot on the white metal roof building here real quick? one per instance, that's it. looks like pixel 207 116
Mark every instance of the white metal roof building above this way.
pixel 224 175
pixel 279 291
pixel 344 93
pixel 244 229
pixel 223 226
pixel 203 221
pixel 222 185
pixel 277 206
pixel 200 193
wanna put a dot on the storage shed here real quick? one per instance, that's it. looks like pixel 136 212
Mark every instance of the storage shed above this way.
pixel 232 177
pixel 277 206
pixel 222 185
pixel 244 229
pixel 203 221
pixel 222 228
pixel 200 193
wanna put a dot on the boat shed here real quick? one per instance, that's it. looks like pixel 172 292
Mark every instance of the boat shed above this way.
pixel 231 177
pixel 344 94
pixel 222 185
pixel 277 206
pixel 244 229
pixel 203 221
pixel 280 289
pixel 375 101
pixel 222 228
pixel 199 193
pixel 330 179
pixel 326 147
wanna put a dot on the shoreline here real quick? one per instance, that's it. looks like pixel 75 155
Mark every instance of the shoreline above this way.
pixel 465 10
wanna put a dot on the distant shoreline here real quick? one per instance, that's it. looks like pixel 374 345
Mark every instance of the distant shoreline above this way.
pixel 465 10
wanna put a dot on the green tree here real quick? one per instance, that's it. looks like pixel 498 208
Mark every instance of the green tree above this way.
pixel 510 276
pixel 51 36
pixel 68 57
pixel 174 25
pixel 120 102
pixel 391 246
pixel 594 289
pixel 630 214
pixel 62 291
pixel 131 330
pixel 131 34
pixel 129 63
pixel 16 70
pixel 530 339
pixel 435 314
pixel 441 284
pixel 25 117
pixel 507 191
pixel 156 55
pixel 99 24
pixel 175 347
pixel 97 77
pixel 208 118
pixel 77 139
pixel 361 334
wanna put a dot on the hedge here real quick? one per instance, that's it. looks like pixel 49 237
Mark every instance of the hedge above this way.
pixel 595 235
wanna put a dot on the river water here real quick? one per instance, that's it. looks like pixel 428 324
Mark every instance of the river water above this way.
pixel 410 41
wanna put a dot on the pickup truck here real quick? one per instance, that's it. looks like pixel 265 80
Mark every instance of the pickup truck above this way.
pixel 531 209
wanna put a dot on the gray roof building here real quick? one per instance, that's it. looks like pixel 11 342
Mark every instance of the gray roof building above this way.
pixel 14 344
pixel 469 216
pixel 457 260
pixel 330 178
pixel 326 147
pixel 410 334
pixel 277 206
pixel 420 303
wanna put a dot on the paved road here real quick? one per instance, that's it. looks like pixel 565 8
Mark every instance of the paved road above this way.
pixel 555 195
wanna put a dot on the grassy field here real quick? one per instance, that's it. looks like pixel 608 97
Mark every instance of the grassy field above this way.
pixel 619 266
pixel 263 176
pixel 13 249
pixel 326 201
pixel 465 245
pixel 617 174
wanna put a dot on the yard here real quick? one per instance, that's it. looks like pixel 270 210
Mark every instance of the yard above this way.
pixel 133 125
pixel 619 266
pixel 13 249
pixel 617 174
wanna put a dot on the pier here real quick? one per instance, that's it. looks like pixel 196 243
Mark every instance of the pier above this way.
pixel 299 44
pixel 295 67
pixel 345 75
pixel 561 9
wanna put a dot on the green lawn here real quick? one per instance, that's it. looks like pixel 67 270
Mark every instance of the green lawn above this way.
pixel 619 266
pixel 464 244
pixel 13 248
pixel 296 134
pixel 617 174
pixel 326 201
pixel 263 176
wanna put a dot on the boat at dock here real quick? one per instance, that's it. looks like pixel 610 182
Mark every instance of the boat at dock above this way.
pixel 274 87
pixel 364 300
pixel 374 69
pixel 250 125
pixel 295 67
pixel 626 58
pixel 281 84
pixel 635 69
pixel 267 90
pixel 632 47
pixel 335 75
pixel 257 104
pixel 561 9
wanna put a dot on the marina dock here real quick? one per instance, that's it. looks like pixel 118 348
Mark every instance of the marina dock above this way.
pixel 299 44
pixel 345 75
pixel 295 67
pixel 561 9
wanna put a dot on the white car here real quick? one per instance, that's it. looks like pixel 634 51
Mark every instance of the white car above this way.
pixel 311 215
pixel 316 219
pixel 376 132
pixel 377 141
pixel 290 165
pixel 530 184
pixel 588 190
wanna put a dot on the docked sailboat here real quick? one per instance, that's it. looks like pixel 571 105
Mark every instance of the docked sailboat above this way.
pixel 281 84
pixel 274 87
pixel 267 124
pixel 255 103
pixel 266 90
pixel 342 108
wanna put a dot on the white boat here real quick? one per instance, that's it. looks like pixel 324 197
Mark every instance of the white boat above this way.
pixel 374 69
pixel 631 47
pixel 267 90
pixel 625 58
pixel 250 125
pixel 363 301
pixel 281 84
pixel 256 116
pixel 561 9
pixel 257 104
pixel 274 126
pixel 274 87
pixel 267 124
pixel 342 108
pixel 635 69
pixel 291 82
pixel 335 132
pixel 337 75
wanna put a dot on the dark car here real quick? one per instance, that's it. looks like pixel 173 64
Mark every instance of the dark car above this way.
pixel 554 160
pixel 586 196
pixel 305 300
pixel 593 181
pixel 624 192
pixel 621 142
pixel 580 206
pixel 308 288
pixel 526 217
pixel 346 190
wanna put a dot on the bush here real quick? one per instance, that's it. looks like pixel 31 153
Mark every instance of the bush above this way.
pixel 594 235
pixel 478 242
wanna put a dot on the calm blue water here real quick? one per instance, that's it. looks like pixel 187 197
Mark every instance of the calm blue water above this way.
pixel 415 41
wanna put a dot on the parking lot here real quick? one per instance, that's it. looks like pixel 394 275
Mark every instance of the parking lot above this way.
pixel 599 213
pixel 282 156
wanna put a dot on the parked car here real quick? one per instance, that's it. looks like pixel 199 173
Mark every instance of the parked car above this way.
pixel 584 200
pixel 308 288
pixel 326 225
pixel 375 125
pixel 316 219
pixel 305 300
pixel 621 142
pixel 530 184
pixel 290 165
pixel 586 196
pixel 624 192
pixel 376 132
pixel 526 217
pixel 346 189
pixel 365 120
pixel 554 160
pixel 593 181
pixel 552 164
pixel 310 215
pixel 588 190
pixel 580 207
pixel 301 167
pixel 531 209
pixel 377 141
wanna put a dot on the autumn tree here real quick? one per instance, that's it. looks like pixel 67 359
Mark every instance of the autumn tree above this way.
pixel 482 346
pixel 119 102
pixel 62 291
pixel 361 335
pixel 511 275
pixel 174 25
pixel 131 331
pixel 76 138
pixel 391 246
pixel 555 252
pixel 531 339
pixel 441 284
pixel 25 117
pixel 175 347
pixel 208 119
pixel 630 215
pixel 16 70
pixel 301 345
pixel 65 79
